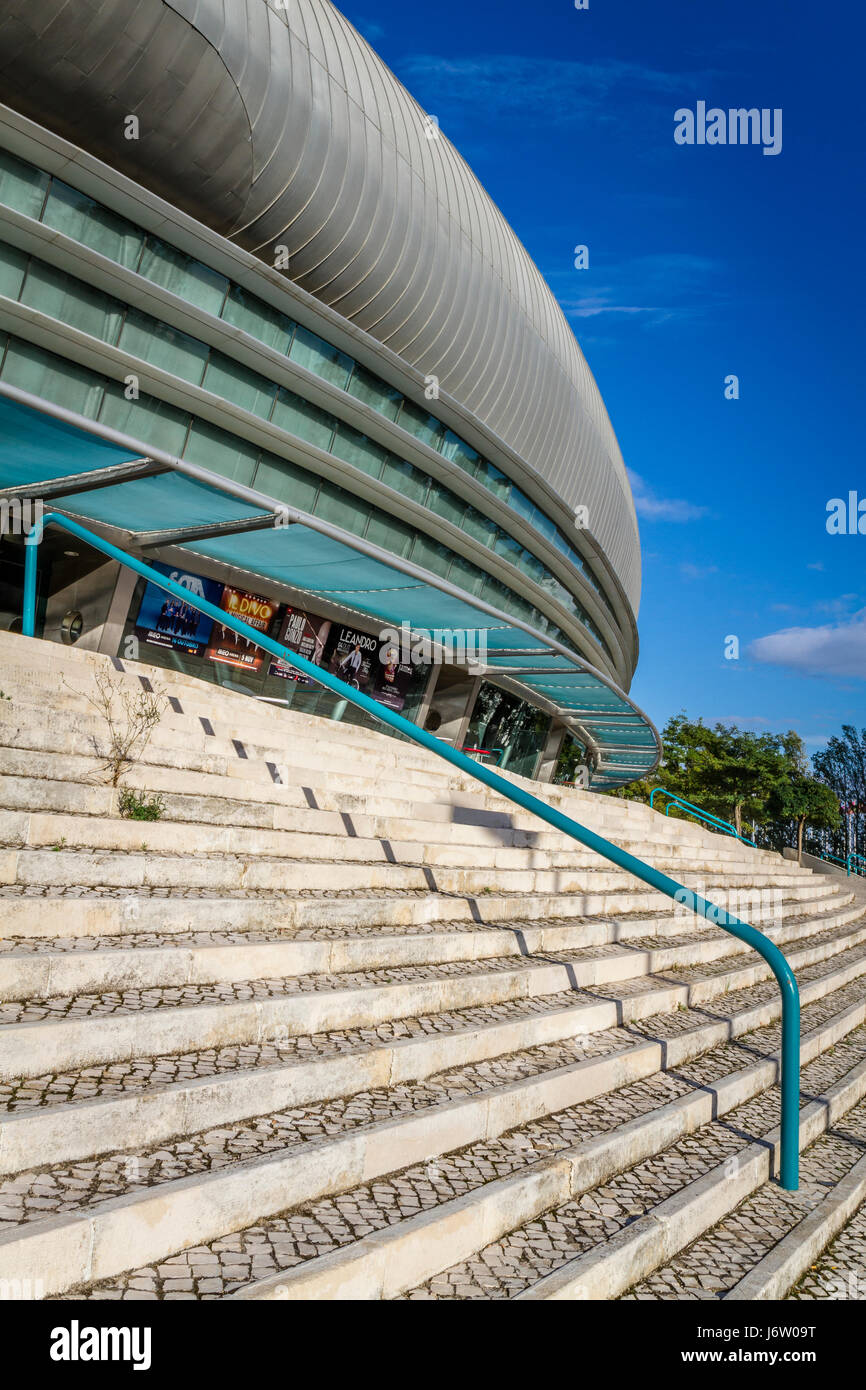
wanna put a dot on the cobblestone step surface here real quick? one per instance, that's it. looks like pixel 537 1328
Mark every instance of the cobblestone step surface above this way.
pixel 89 1029
pixel 712 1267
pixel 342 1011
pixel 291 1240
pixel 589 1226
pixel 39 1193
pixel 26 973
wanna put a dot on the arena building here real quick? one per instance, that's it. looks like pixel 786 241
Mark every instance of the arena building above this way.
pixel 262 326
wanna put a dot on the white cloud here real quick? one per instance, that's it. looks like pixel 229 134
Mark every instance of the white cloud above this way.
pixel 690 571
pixel 654 508
pixel 835 649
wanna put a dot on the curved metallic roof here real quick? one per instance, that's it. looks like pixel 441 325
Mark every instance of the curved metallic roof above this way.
pixel 279 126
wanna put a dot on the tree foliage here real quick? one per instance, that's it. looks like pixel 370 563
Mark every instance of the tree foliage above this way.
pixel 761 783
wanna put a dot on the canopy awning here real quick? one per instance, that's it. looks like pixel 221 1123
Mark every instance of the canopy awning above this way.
pixel 107 478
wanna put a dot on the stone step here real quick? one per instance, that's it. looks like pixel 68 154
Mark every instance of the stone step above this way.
pixel 838 1272
pixel 36 667
pixel 261 785
pixel 175 743
pixel 61 867
pixel 39 830
pixel 131 1227
pixel 73 1114
pixel 68 1033
pixel 467 1204
pixel 763 1247
pixel 43 913
pixel 734 1169
pixel 45 781
pixel 37 975
pixel 37 798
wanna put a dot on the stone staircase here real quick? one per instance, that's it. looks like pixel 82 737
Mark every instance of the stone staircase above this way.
pixel 346 1024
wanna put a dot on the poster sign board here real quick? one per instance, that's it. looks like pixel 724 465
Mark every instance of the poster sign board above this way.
pixel 230 647
pixel 166 621
pixel 305 634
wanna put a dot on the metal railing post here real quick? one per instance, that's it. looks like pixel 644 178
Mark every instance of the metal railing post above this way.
pixel 790 1053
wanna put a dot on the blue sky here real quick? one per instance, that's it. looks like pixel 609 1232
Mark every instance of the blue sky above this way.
pixel 704 261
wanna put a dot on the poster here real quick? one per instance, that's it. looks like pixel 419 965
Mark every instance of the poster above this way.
pixel 230 647
pixel 353 656
pixel 361 660
pixel 166 621
pixel 391 678
pixel 305 634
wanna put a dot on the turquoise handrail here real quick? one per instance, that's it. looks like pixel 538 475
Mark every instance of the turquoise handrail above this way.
pixel 700 813
pixel 850 860
pixel 789 1164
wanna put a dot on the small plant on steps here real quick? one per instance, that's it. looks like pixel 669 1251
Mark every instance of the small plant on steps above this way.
pixel 135 805
pixel 130 719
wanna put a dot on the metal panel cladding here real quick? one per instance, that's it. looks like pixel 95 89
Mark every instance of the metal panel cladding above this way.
pixel 276 124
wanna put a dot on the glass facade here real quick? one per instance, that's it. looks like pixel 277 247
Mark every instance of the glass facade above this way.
pixel 510 727
pixel 36 194
pixel 42 373
pixel 59 295
pixel 306 699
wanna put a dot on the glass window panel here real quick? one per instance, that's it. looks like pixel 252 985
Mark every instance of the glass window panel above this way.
pixel 32 369
pixel 183 275
pixel 163 346
pixel 539 519
pixel 530 564
pixel 466 575
pixel 405 478
pixel 233 382
pixel 494 480
pixel 21 186
pixel 13 264
pixel 431 555
pixel 300 417
pixel 366 387
pixel 84 220
pixel 496 593
pixel 221 452
pixel 312 352
pixel 148 419
pixel 389 533
pixel 520 503
pixel 357 449
pixel 53 292
pixel 421 424
pixel 480 527
pixel 288 483
pixel 508 547
pixel 445 503
pixel 458 451
pixel 260 320
pixel 341 508
pixel 518 607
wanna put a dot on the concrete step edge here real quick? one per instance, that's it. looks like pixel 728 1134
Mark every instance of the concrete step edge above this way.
pixel 408 1253
pixel 37 1048
pixel 655 1239
pixel 45 974
pixel 779 1271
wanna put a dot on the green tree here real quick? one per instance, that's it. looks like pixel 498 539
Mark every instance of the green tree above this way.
pixel 842 765
pixel 799 799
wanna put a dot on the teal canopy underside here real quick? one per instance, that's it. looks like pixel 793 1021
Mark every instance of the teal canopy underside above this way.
pixel 36 448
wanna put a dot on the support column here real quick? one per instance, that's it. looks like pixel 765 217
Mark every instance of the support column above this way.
pixel 550 752
pixel 453 700
pixel 432 682
pixel 112 629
